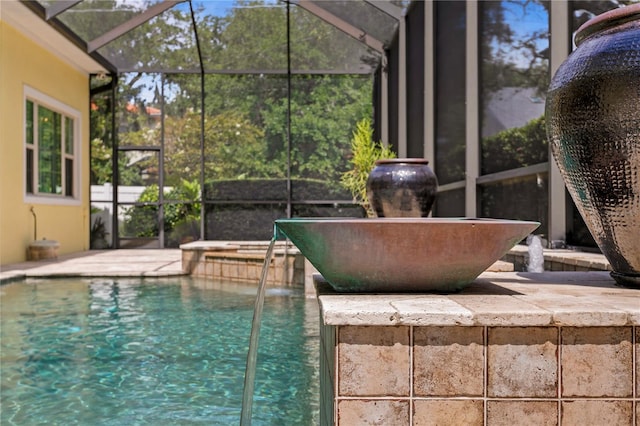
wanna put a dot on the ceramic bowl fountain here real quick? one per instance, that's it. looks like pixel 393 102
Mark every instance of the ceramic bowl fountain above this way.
pixel 402 254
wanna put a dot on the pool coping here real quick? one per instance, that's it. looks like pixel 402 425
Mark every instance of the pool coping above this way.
pixel 129 263
pixel 516 299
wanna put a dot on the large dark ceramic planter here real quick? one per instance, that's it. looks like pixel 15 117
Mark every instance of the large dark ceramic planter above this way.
pixel 593 127
pixel 402 187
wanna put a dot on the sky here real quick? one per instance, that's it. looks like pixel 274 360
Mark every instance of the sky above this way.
pixel 524 21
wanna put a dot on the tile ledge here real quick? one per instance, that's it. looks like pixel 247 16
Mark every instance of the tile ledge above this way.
pixel 580 299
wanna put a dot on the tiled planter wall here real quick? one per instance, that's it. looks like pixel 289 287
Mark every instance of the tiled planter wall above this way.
pixel 244 265
pixel 480 375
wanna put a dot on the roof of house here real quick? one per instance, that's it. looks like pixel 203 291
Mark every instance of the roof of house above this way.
pixel 511 107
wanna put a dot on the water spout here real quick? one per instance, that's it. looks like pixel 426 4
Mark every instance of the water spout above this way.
pixel 536 255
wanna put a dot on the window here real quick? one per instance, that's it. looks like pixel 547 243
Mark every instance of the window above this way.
pixel 514 76
pixel 51 148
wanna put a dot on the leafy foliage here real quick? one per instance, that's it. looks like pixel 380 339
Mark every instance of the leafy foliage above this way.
pixel 365 152
pixel 98 235
pixel 323 110
pixel 512 57
pixel 234 147
pixel 101 167
pixel 142 220
pixel 515 147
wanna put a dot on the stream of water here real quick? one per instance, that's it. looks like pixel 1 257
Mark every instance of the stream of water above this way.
pixel 250 371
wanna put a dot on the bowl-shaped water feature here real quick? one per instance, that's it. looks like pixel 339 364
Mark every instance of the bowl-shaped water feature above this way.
pixel 402 254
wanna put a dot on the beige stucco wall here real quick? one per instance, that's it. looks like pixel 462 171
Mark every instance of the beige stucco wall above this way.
pixel 23 62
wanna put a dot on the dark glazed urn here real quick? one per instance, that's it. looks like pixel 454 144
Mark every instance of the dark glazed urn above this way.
pixel 593 127
pixel 402 187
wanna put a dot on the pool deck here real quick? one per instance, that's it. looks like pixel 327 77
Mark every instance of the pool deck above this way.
pixel 100 263
pixel 168 262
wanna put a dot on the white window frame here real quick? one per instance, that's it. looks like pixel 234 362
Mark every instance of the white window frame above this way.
pixel 40 99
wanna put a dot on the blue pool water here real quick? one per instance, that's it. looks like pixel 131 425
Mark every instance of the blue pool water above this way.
pixel 160 352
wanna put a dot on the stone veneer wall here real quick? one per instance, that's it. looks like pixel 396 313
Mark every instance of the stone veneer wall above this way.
pixel 405 375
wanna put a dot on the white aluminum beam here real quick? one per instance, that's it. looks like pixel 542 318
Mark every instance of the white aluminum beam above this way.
pixel 560 42
pixel 429 84
pixel 402 89
pixel 472 151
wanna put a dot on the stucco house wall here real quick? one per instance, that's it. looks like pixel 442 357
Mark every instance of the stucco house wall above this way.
pixel 24 63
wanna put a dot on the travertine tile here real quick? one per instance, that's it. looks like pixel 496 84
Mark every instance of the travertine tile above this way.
pixel 448 361
pixel 373 412
pixel 363 310
pixel 522 413
pixel 495 299
pixel 188 256
pixel 229 269
pixel 577 311
pixel 597 412
pixel 393 310
pixel 432 310
pixel 626 302
pixel 373 361
pixel 275 273
pixel 442 412
pixel 242 270
pixel 217 269
pixel 199 270
pixel 597 362
pixel 253 272
pixel 503 310
pixel 522 362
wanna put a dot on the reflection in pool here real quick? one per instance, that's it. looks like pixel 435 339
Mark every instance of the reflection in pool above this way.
pixel 171 351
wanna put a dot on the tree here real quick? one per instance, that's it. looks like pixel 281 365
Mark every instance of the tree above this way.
pixel 234 147
pixel 324 112
pixel 510 56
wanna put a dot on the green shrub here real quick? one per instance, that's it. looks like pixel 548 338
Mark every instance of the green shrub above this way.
pixel 365 152
pixel 516 147
pixel 182 206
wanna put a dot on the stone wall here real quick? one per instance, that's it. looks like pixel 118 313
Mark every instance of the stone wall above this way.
pixel 513 348
pixel 479 375
pixel 243 262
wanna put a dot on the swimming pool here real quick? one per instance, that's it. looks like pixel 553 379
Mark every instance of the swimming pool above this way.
pixel 163 352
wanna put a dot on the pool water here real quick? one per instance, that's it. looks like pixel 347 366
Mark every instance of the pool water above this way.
pixel 162 352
